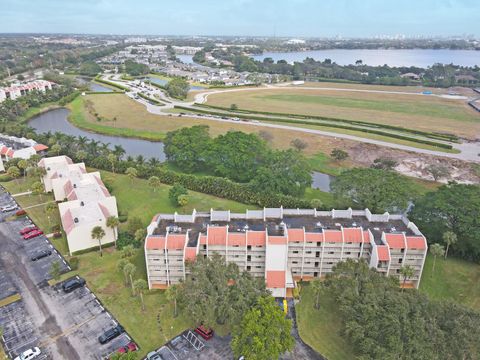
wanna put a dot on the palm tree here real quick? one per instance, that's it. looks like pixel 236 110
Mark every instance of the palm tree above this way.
pixel 317 287
pixel 56 148
pixel 119 151
pixel 37 188
pixel 140 160
pixel 112 159
pixel 130 270
pixel 23 165
pixel 128 250
pixel 13 172
pixel 98 234
pixel 82 142
pixel 153 162
pixel 105 148
pixel 121 267
pixel 132 173
pixel 154 182
pixel 112 223
pixel 436 250
pixel 93 147
pixel 140 286
pixel 172 294
pixel 50 210
pixel 449 238
pixel 407 272
pixel 81 155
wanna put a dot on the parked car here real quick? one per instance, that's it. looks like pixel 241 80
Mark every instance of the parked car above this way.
pixel 72 284
pixel 28 229
pixel 152 355
pixel 21 212
pixel 29 354
pixel 130 347
pixel 33 234
pixel 40 255
pixel 9 208
pixel 110 334
pixel 204 332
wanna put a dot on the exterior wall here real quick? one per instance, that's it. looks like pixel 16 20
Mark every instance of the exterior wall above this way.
pixel 80 238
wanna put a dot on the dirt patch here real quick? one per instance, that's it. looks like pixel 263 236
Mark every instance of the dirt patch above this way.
pixel 110 289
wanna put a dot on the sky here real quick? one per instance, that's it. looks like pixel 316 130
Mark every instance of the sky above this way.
pixel 290 18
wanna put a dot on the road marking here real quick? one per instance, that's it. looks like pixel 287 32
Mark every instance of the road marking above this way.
pixel 68 331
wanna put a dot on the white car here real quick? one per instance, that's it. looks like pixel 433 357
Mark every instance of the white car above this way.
pixel 9 208
pixel 29 354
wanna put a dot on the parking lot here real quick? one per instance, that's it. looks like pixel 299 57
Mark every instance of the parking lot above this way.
pixel 63 325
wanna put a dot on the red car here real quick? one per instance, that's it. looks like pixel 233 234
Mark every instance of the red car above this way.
pixel 28 229
pixel 207 334
pixel 128 348
pixel 33 234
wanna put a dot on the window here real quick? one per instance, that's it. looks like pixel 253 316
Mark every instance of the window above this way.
pixel 294 262
pixel 402 250
pixel 330 263
pixel 348 253
pixel 249 268
pixel 400 261
pixel 308 252
pixel 249 247
pixel 205 247
pixel 258 267
pixel 295 252
pixel 331 252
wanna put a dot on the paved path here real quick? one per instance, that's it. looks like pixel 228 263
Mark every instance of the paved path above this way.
pixel 23 193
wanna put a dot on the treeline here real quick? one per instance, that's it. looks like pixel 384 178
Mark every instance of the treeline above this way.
pixel 240 157
pixel 384 322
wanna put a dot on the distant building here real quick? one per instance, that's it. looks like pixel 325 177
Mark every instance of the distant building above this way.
pixel 12 147
pixel 283 245
pixel 15 91
pixel 295 42
pixel 411 76
pixel 87 202
pixel 466 79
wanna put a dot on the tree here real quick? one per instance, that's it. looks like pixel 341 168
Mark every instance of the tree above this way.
pixel 134 223
pixel 453 207
pixel 113 160
pixel 140 286
pixel 438 171
pixel 384 163
pixel 186 147
pixel 233 107
pixel 154 182
pixel 182 200
pixel 317 287
pixel 132 173
pixel 338 154
pixel 264 332
pixel 90 68
pixel 98 234
pixel 121 268
pixel 449 238
pixel 23 165
pixel 50 210
pixel 37 188
pixel 56 148
pixel 285 172
pixel 140 235
pixel 299 144
pixel 375 189
pixel 112 222
pixel 130 269
pixel 81 155
pixel 177 88
pixel 175 192
pixel 135 69
pixel 173 293
pixel 13 172
pixel 407 272
pixel 436 250
pixel 128 251
pixel 55 270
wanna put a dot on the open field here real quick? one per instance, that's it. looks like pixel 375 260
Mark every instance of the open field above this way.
pixel 426 113
pixel 321 329
pixel 454 279
pixel 347 85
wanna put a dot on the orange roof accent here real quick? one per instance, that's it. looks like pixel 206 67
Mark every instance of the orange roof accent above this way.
pixel 277 240
pixel 155 242
pixel 203 239
pixel 352 235
pixel 295 235
pixel 10 153
pixel 175 242
pixel 4 150
pixel 416 242
pixel 275 279
pixel 395 241
pixel 314 237
pixel 333 235
pixel 366 236
pixel 155 218
pixel 256 238
pixel 190 253
pixel 383 254
pixel 40 147
pixel 217 235
pixel 235 238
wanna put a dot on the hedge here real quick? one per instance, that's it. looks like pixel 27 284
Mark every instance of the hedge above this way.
pixel 100 80
pixel 156 102
pixel 338 126
pixel 448 137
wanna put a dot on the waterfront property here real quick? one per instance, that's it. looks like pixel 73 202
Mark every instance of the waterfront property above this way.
pixel 283 245
pixel 87 203
pixel 15 91
pixel 12 147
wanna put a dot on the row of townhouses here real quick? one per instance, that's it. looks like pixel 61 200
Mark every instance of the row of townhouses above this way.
pixel 84 201
pixel 283 245
pixel 15 91
pixel 12 147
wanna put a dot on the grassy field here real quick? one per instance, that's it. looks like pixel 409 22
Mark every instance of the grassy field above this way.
pixel 321 329
pixel 425 113
pixel 454 279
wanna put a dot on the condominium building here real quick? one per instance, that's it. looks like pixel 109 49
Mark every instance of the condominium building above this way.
pixel 87 202
pixel 15 91
pixel 283 245
pixel 12 147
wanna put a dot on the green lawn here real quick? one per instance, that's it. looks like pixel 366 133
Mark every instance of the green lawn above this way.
pixel 323 163
pixel 321 329
pixel 454 279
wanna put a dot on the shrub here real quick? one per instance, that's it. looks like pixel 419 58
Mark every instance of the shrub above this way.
pixel 125 239
pixel 73 261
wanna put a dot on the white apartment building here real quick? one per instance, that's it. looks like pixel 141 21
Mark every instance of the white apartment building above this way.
pixel 12 147
pixel 15 91
pixel 283 245
pixel 87 202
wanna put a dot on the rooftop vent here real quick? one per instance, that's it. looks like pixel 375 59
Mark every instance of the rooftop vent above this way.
pixel 82 203
pixel 75 220
pixel 318 225
pixel 393 229
pixel 354 224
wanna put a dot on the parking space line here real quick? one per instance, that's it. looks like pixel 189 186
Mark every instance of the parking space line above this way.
pixel 66 332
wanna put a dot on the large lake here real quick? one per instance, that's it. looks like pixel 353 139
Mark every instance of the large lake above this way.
pixel 414 57
pixel 57 120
